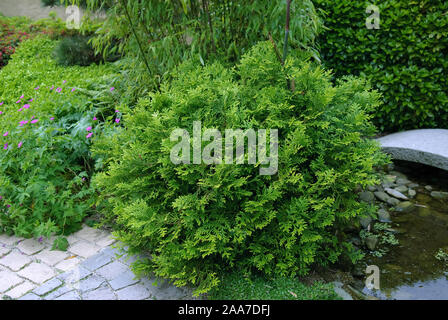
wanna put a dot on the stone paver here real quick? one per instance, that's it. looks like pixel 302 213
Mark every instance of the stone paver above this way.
pixel 48 286
pixel 90 283
pixel 15 260
pixel 102 293
pixel 52 257
pixel 112 270
pixel 135 292
pixel 30 246
pixel 37 272
pixel 91 269
pixel 4 251
pixel 58 292
pixel 124 279
pixel 96 261
pixel 68 264
pixel 9 240
pixel 90 234
pixel 30 296
pixel 84 249
pixel 20 290
pixel 72 295
pixel 8 280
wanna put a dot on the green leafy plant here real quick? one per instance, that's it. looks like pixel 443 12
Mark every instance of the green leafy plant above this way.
pixel 75 50
pixel 404 59
pixel 159 35
pixel 45 163
pixel 235 286
pixel 198 220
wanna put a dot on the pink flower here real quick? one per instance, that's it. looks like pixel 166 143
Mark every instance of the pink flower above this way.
pixel 37 88
pixel 6 133
pixel 1 103
pixel 31 100
pixel 64 81
pixel 52 118
pixel 112 89
pixel 73 89
pixel 5 146
pixel 34 121
pixel 89 135
pixel 58 90
pixel 52 87
pixel 20 144
pixel 23 122
pixel 1 112
pixel 94 119
pixel 117 120
pixel 21 97
pixel 117 111
pixel 88 128
pixel 20 109
pixel 26 106
pixel 18 101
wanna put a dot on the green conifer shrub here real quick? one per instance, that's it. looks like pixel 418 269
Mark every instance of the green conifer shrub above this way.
pixel 198 220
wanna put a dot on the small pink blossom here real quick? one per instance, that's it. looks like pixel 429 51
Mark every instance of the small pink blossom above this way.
pixel 89 135
pixel 6 133
pixel 34 121
pixel 94 119
pixel 117 120
pixel 52 118
pixel 112 89
pixel 37 88
pixel 31 100
pixel 20 109
pixel 52 87
pixel 88 128
pixel 5 146
pixel 73 89
pixel 18 101
pixel 58 90
pixel 21 97
pixel 26 106
pixel 1 103
pixel 64 81
pixel 20 144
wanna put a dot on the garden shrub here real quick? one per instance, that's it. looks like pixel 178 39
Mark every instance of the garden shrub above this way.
pixel 405 59
pixel 45 164
pixel 199 220
pixel 76 50
pixel 13 30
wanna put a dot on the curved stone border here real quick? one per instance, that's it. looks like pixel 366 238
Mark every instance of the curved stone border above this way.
pixel 426 146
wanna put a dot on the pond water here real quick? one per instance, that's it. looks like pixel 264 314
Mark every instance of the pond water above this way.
pixel 410 269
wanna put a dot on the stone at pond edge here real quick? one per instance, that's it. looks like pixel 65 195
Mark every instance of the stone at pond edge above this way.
pixel 381 196
pixel 396 194
pixel 428 187
pixel 393 201
pixel 371 242
pixel 365 221
pixel 401 189
pixel 383 216
pixel 405 206
pixel 411 193
pixel 439 195
pixel 367 196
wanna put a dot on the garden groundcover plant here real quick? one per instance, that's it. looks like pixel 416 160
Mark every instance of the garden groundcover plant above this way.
pixel 48 115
